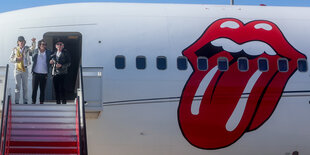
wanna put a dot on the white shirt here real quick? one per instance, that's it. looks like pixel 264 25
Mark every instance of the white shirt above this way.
pixel 58 53
pixel 41 63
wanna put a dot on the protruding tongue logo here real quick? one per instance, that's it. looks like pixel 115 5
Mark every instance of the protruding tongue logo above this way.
pixel 222 116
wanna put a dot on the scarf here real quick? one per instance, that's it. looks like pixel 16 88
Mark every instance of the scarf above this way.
pixel 20 65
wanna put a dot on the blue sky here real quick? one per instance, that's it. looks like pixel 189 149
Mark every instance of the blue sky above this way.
pixel 9 5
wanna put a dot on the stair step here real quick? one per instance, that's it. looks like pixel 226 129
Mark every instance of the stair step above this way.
pixel 42 154
pixel 43 126
pixel 46 132
pixel 47 150
pixel 45 144
pixel 44 138
pixel 32 113
pixel 43 120
pixel 43 107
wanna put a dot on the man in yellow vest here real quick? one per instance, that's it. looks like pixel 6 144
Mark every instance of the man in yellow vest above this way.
pixel 21 57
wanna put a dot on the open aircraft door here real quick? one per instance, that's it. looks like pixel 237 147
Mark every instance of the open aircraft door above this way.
pixel 73 44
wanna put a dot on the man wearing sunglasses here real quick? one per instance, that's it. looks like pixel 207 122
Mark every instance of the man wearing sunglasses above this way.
pixel 21 57
pixel 41 57
pixel 60 61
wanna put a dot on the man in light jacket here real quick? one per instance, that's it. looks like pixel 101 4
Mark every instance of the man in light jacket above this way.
pixel 21 57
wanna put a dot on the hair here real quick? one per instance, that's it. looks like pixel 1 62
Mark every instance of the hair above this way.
pixel 18 41
pixel 40 41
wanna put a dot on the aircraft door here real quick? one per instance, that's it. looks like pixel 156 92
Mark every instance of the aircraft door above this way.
pixel 73 44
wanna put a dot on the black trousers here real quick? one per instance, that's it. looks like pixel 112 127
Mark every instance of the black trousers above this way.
pixel 59 86
pixel 38 80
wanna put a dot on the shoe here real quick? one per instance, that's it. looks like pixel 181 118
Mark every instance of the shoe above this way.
pixel 16 103
pixel 33 103
pixel 41 102
pixel 25 103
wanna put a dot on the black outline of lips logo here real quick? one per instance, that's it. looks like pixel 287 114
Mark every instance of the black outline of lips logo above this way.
pixel 207 129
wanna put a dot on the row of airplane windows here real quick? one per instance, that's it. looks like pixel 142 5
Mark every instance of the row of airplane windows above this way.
pixel 202 63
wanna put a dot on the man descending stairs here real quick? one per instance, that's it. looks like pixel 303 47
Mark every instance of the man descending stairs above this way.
pixel 44 129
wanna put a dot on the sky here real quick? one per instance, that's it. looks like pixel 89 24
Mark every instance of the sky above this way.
pixel 10 5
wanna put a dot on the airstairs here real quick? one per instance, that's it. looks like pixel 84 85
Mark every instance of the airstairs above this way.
pixel 43 129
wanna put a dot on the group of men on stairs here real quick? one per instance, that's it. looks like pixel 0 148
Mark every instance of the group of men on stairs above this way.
pixel 42 59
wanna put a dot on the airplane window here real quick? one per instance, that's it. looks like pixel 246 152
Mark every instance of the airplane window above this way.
pixel 222 64
pixel 161 62
pixel 302 65
pixel 202 63
pixel 283 65
pixel 243 64
pixel 141 62
pixel 120 62
pixel 182 63
pixel 263 64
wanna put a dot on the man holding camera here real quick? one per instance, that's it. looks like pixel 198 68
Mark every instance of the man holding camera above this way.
pixel 60 61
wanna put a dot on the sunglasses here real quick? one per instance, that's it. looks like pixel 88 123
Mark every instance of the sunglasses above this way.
pixel 59 44
pixel 43 44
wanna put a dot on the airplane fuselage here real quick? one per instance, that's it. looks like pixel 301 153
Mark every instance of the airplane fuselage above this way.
pixel 182 79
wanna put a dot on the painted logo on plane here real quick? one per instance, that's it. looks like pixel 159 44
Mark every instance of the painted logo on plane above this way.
pixel 212 126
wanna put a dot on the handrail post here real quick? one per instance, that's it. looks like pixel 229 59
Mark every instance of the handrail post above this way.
pixel 5 83
pixel 232 2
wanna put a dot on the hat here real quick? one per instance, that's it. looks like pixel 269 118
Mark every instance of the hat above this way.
pixel 58 40
pixel 21 39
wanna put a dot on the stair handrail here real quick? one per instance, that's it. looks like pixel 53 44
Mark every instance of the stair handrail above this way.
pixel 82 137
pixel 6 106
pixel 77 128
pixel 8 127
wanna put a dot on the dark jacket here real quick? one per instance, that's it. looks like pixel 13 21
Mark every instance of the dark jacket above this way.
pixel 35 58
pixel 64 59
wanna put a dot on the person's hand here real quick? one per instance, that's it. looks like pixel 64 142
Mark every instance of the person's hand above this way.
pixel 58 65
pixel 33 39
pixel 19 59
pixel 51 62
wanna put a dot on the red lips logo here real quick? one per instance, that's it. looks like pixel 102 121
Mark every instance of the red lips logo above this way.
pixel 212 126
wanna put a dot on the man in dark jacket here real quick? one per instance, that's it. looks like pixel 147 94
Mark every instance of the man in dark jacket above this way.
pixel 41 57
pixel 61 61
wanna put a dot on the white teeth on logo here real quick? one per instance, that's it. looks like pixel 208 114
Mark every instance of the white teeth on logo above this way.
pixel 251 48
pixel 230 24
pixel 263 26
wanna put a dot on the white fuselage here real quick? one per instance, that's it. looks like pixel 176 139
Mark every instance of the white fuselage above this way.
pixel 140 106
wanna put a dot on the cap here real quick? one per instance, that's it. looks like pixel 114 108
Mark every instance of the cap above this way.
pixel 21 38
pixel 59 40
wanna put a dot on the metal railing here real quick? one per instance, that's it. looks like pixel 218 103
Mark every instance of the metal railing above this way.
pixel 81 123
pixel 77 126
pixel 6 116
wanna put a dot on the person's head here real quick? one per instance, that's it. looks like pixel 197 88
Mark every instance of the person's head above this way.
pixel 59 45
pixel 42 45
pixel 21 41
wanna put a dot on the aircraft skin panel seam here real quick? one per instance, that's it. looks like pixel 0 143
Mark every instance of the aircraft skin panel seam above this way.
pixel 196 98
pixel 51 26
